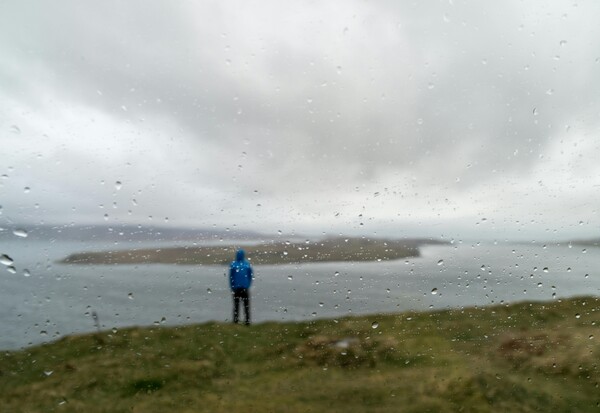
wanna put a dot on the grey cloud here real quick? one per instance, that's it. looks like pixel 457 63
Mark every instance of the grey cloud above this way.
pixel 294 103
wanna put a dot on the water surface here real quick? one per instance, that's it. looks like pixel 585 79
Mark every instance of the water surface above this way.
pixel 50 300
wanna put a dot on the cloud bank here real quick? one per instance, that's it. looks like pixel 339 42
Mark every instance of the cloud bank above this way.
pixel 455 119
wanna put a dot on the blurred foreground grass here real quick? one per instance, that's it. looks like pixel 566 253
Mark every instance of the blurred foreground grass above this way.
pixel 517 358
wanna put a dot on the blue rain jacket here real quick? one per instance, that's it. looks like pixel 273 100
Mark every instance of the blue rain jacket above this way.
pixel 240 272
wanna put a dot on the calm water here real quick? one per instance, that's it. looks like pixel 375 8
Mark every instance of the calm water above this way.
pixel 50 300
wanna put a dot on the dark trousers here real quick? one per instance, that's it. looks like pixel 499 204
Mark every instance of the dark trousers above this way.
pixel 241 293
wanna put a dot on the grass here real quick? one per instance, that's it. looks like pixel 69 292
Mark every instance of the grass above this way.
pixel 328 250
pixel 525 357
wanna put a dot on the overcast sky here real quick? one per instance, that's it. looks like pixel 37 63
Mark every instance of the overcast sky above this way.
pixel 477 119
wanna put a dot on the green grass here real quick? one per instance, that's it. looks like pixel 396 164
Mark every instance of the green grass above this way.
pixel 526 357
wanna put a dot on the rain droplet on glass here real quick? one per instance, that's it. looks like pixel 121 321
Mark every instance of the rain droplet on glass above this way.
pixel 20 233
pixel 6 260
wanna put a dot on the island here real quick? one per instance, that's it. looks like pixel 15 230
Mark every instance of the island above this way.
pixel 266 253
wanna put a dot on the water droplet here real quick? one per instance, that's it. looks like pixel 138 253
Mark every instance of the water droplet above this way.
pixel 577 315
pixel 20 233
pixel 375 324
pixel 434 291
pixel 15 129
pixel 562 42
pixel 26 273
pixel 6 260
pixel 335 274
pixel 118 185
pixel 535 112
pixel 321 304
pixel 550 92
pixel 26 189
pixel 290 278
pixel 48 373
pixel 539 284
pixel 440 262
pixel 130 296
pixel 545 269
pixel 208 291
pixel 11 269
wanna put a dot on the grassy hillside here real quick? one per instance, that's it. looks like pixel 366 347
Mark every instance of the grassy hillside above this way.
pixel 526 357
pixel 334 249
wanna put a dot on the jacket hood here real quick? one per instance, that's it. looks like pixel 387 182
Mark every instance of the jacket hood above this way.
pixel 240 255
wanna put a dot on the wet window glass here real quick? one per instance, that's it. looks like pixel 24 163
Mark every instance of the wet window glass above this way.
pixel 368 206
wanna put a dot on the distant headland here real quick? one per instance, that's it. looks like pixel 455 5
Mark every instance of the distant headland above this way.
pixel 266 253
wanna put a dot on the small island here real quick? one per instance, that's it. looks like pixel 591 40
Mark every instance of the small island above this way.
pixel 327 250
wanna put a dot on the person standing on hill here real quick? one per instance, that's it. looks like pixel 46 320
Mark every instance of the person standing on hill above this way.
pixel 240 279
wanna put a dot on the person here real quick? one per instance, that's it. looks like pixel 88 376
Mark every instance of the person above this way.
pixel 240 279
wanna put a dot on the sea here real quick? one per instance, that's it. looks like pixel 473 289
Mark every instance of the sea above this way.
pixel 42 300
